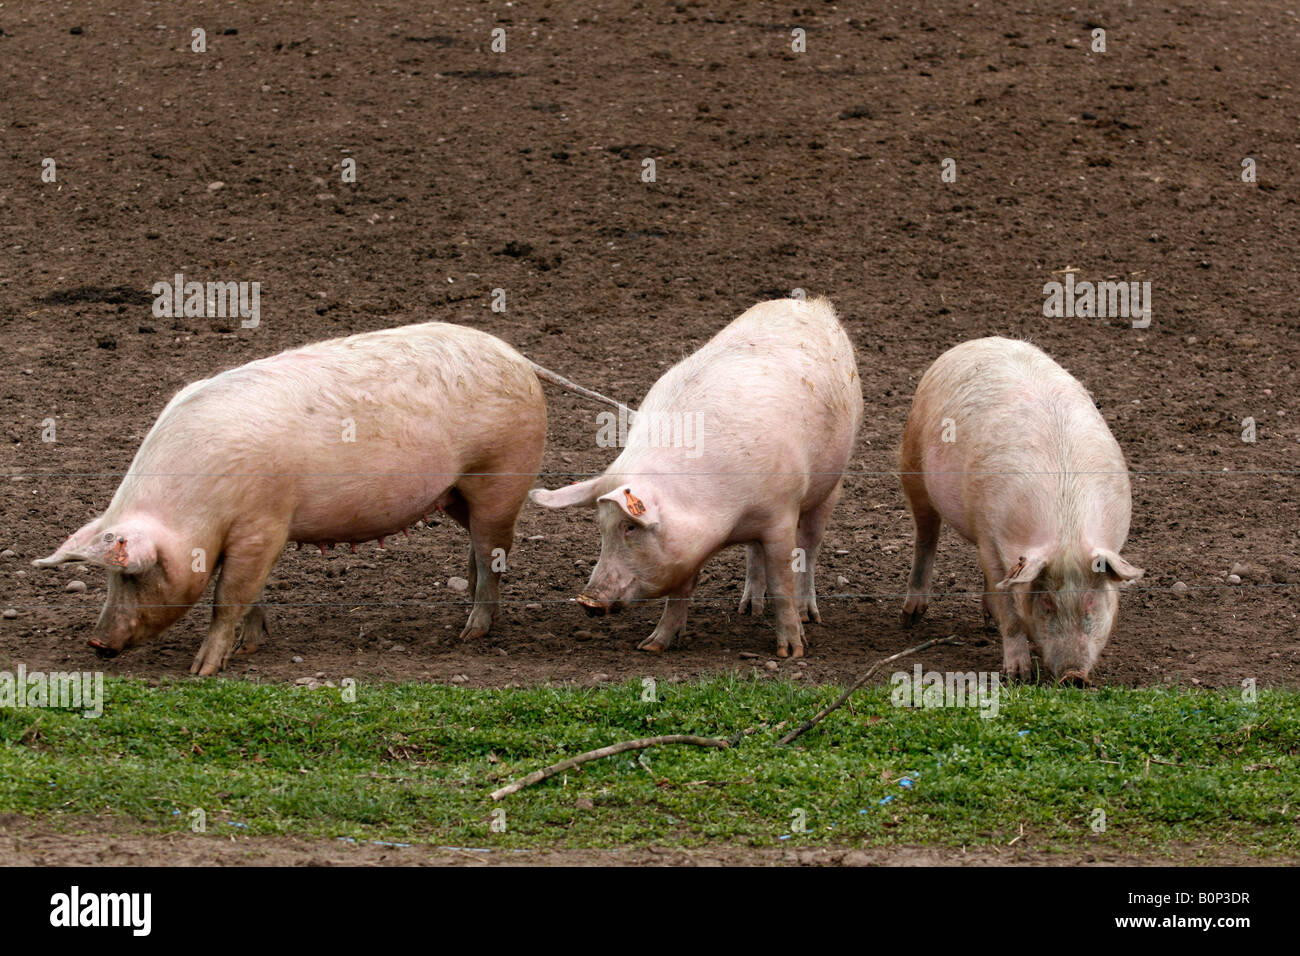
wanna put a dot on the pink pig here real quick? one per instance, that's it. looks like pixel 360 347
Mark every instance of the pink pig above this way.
pixel 743 442
pixel 1009 449
pixel 341 441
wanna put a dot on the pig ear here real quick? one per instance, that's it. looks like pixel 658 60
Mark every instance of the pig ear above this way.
pixel 1024 571
pixel 127 549
pixel 583 493
pixel 71 549
pixel 1105 561
pixel 640 510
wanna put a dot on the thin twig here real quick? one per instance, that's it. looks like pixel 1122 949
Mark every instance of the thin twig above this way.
pixel 824 712
pixel 537 776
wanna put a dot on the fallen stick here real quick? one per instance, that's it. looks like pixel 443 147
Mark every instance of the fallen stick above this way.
pixel 826 711
pixel 537 776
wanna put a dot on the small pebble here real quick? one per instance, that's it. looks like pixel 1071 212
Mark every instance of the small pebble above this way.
pixel 1234 578
pixel 459 679
pixel 772 666
pixel 6 553
pixel 320 674
pixel 600 677
pixel 1179 587
pixel 749 656
pixel 296 659
pixel 583 803
pixel 9 614
pixel 841 581
pixel 75 587
pixel 583 636
pixel 215 185
pixel 458 584
pixel 305 680
pixel 532 607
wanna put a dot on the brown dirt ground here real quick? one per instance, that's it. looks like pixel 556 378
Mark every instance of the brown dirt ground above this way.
pixel 775 170
pixel 95 842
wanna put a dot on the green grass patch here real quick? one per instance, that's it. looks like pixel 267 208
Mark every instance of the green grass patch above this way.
pixel 415 763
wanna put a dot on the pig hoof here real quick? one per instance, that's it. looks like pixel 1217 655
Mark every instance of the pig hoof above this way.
pixel 913 611
pixel 654 647
pixel 1018 672
pixel 751 605
pixel 809 616
pixel 247 649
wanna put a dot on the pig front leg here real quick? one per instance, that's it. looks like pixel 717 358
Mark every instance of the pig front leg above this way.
pixel 778 552
pixel 812 528
pixel 244 569
pixel 673 619
pixel 928 523
pixel 1017 661
pixel 751 601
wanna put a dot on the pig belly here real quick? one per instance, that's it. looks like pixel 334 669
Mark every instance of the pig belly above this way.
pixel 372 507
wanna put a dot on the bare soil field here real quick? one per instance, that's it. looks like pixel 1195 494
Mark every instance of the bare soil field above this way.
pixel 776 170
pixel 97 842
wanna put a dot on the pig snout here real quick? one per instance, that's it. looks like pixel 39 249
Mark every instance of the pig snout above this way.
pixel 593 607
pixel 1073 678
pixel 102 649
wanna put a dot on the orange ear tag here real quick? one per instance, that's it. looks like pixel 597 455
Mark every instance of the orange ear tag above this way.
pixel 635 507
pixel 1020 566
pixel 117 554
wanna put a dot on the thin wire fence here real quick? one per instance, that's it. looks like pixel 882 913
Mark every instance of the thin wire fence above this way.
pixel 844 596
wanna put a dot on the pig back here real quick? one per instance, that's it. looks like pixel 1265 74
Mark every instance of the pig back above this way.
pixel 780 382
pixel 395 413
pixel 1009 438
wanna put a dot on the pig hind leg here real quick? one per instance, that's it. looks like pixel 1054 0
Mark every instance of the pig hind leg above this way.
pixel 457 508
pixel 244 570
pixel 751 601
pixel 812 527
pixel 491 507
pixel 928 523
pixel 672 621
pixel 253 632
pixel 1017 661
